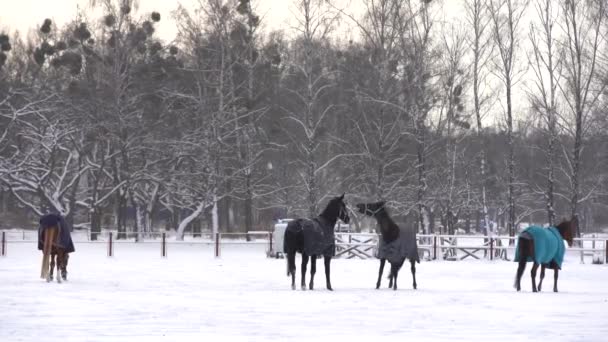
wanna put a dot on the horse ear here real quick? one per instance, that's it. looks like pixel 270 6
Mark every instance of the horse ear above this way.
pixel 341 197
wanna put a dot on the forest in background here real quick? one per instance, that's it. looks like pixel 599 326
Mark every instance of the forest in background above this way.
pixel 495 118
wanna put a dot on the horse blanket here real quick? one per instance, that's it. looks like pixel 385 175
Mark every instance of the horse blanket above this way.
pixel 65 238
pixel 548 245
pixel 404 246
pixel 314 237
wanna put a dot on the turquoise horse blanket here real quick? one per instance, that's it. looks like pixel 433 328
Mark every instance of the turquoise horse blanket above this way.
pixel 548 245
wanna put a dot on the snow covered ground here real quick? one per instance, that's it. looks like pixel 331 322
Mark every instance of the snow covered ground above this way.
pixel 243 296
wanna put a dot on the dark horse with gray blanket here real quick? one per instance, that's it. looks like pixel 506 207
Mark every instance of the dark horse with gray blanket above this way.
pixel 54 239
pixel 544 246
pixel 313 237
pixel 396 244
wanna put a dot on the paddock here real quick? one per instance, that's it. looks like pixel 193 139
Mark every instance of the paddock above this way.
pixel 243 294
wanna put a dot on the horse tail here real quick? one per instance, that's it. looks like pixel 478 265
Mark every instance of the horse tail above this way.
pixel 292 241
pixel 522 252
pixel 291 263
pixel 49 237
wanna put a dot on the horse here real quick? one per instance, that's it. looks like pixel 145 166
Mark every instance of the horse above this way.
pixel 54 240
pixel 395 245
pixel 312 238
pixel 543 246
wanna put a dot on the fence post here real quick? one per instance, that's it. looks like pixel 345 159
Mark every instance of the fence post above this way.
pixel 110 247
pixel 217 245
pixel 3 244
pixel 435 247
pixel 491 248
pixel 163 246
pixel 269 243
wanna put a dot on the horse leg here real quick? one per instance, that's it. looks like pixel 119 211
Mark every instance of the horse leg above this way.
pixel 59 265
pixel 390 276
pixel 327 261
pixel 52 268
pixel 64 267
pixel 380 271
pixel 533 275
pixel 542 276
pixel 313 270
pixel 394 273
pixel 291 268
pixel 556 271
pixel 520 271
pixel 523 249
pixel 413 269
pixel 304 263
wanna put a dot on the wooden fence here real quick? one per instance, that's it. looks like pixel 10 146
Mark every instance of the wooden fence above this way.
pixel 348 245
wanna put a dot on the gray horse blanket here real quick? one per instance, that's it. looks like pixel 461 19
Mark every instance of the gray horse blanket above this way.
pixel 65 238
pixel 404 246
pixel 317 236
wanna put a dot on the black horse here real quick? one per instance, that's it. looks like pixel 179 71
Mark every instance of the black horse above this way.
pixel 313 237
pixel 395 245
pixel 543 246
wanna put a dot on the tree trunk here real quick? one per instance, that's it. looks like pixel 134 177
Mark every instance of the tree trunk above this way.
pixel 179 235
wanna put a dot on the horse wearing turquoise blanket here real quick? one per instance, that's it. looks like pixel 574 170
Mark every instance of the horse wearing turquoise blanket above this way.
pixel 545 247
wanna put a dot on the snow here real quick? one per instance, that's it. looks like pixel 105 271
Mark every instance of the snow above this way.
pixel 244 296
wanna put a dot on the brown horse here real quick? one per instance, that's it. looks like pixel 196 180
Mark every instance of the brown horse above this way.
pixel 55 241
pixel 543 246
pixel 50 251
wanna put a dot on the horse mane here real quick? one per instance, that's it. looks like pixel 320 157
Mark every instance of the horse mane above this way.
pixel 565 227
pixel 388 228
pixel 331 211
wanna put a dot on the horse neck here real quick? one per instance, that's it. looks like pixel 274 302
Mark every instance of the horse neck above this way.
pixel 328 216
pixel 388 228
pixel 562 228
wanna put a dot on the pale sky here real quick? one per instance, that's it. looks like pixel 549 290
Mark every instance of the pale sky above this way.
pixel 24 15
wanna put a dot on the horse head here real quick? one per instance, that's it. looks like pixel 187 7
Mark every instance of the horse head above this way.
pixel 567 230
pixel 370 209
pixel 339 209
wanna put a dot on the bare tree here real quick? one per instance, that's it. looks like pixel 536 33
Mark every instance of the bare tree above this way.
pixel 418 94
pixel 452 123
pixel 308 83
pixel 45 168
pixel 480 42
pixel 581 89
pixel 506 18
pixel 546 64
pixel 377 114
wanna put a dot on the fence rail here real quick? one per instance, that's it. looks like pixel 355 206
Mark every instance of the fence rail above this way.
pixel 348 245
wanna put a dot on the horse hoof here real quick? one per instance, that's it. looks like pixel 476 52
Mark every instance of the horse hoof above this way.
pixel 329 288
pixel 303 287
pixel 293 287
pixel 377 286
pixel 311 287
pixel 415 287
